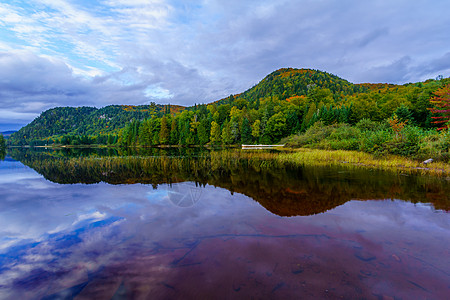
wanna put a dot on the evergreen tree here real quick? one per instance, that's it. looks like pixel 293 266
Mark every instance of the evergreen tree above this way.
pixel 145 136
pixel 174 136
pixel 235 132
pixel 246 136
pixel 404 114
pixel 307 121
pixel 164 133
pixel 204 131
pixel 110 139
pixel 184 131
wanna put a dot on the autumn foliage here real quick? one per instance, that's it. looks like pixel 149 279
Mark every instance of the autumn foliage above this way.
pixel 441 101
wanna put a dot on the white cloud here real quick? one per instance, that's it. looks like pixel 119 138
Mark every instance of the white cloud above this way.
pixel 93 217
pixel 9 15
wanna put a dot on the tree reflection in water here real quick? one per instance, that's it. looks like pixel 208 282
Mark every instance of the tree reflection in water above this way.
pixel 177 236
pixel 282 189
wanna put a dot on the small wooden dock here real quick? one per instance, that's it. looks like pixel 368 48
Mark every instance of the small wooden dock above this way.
pixel 248 147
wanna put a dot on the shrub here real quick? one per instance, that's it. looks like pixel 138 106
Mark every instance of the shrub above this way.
pixel 378 138
pixel 320 136
pixel 367 125
pixel 344 132
pixel 372 141
pixel 348 144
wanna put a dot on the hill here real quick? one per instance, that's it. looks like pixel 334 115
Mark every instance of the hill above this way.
pixel 289 82
pixel 7 134
pixel 85 121
pixel 285 102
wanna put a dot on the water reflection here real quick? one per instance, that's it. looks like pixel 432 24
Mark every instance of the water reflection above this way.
pixel 184 194
pixel 194 239
pixel 283 190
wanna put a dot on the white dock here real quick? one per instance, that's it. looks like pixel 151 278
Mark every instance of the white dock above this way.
pixel 247 147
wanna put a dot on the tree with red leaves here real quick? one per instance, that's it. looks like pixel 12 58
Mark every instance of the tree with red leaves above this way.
pixel 441 101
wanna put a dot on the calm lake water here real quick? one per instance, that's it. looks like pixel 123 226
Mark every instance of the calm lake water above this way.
pixel 98 224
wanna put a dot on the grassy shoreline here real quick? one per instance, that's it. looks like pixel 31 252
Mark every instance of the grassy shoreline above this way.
pixel 353 159
pixel 319 157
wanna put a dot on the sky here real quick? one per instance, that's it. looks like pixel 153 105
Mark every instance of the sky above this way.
pixel 102 52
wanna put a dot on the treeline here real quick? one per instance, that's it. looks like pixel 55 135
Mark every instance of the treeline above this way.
pixel 76 122
pixel 286 102
pixel 227 124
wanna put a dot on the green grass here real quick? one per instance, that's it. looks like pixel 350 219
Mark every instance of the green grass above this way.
pixel 354 159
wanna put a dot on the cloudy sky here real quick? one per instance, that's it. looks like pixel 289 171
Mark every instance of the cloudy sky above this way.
pixel 101 52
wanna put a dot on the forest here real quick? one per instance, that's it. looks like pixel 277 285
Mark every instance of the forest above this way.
pixel 288 105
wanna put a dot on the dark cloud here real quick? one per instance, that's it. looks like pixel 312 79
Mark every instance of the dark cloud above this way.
pixel 439 66
pixel 395 72
pixel 372 36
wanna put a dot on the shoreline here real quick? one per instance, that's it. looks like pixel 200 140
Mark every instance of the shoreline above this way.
pixel 311 157
pixel 356 159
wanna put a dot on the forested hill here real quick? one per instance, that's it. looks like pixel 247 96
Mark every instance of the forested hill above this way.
pixel 285 102
pixel 288 82
pixel 86 121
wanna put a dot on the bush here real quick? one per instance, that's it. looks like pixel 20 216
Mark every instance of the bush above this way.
pixel 369 125
pixel 319 136
pixel 412 134
pixel 399 147
pixel 376 138
pixel 348 144
pixel 344 132
pixel 434 145
pixel 373 141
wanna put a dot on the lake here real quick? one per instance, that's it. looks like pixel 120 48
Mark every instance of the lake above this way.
pixel 200 224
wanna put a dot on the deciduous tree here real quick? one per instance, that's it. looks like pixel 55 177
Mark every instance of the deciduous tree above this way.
pixel 215 133
pixel 441 101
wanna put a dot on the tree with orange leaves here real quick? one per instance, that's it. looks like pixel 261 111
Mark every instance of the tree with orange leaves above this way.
pixel 441 101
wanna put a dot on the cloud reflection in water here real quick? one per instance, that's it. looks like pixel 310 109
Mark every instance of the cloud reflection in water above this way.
pixel 101 240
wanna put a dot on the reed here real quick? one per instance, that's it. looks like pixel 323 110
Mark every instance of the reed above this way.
pixel 352 159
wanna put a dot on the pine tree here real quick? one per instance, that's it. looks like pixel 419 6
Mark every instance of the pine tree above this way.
pixel 203 131
pixel 246 136
pixel 235 132
pixel 404 114
pixel 164 132
pixel 174 136
pixel 307 121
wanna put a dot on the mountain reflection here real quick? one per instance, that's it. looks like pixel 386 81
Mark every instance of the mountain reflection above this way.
pixel 282 189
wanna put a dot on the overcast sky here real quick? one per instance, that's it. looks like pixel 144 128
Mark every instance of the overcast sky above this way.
pixel 101 52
